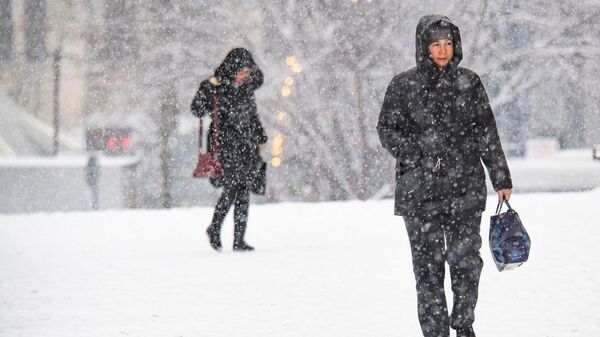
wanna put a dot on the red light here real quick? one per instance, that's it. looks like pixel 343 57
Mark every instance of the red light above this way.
pixel 112 143
pixel 126 143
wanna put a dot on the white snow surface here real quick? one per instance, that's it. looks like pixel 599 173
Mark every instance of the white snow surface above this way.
pixel 325 269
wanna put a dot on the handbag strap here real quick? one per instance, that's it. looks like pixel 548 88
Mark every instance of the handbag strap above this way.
pixel 216 145
pixel 499 207
pixel 200 134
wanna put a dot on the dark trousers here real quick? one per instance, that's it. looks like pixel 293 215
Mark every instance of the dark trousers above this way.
pixel 434 240
pixel 239 197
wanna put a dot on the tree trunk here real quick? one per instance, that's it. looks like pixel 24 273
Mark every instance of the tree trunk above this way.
pixel 168 123
pixel 363 181
pixel 35 30
pixel 6 31
pixel 121 36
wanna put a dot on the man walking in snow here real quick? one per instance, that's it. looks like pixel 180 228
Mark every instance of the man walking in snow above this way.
pixel 437 122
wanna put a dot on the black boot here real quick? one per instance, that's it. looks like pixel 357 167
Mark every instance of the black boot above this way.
pixel 239 245
pixel 242 247
pixel 465 332
pixel 240 219
pixel 214 237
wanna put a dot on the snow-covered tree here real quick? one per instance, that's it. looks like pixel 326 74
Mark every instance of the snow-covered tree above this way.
pixel 532 54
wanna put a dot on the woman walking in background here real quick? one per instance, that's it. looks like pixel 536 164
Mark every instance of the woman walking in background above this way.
pixel 241 138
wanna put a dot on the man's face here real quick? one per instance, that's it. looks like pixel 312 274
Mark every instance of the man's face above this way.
pixel 441 52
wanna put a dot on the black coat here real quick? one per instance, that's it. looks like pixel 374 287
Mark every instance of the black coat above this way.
pixel 439 126
pixel 240 130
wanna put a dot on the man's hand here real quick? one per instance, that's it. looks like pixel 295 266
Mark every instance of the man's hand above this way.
pixel 504 194
pixel 261 149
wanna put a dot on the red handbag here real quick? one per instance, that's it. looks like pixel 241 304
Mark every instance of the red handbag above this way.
pixel 209 163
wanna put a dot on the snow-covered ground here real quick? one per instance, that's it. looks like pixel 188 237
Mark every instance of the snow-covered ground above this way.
pixel 327 269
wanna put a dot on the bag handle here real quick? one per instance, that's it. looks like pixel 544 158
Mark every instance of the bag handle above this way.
pixel 216 145
pixel 499 207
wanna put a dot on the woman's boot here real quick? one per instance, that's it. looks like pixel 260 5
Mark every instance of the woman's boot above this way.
pixel 214 237
pixel 239 244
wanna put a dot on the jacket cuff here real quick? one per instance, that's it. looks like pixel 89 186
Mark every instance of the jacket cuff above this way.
pixel 503 183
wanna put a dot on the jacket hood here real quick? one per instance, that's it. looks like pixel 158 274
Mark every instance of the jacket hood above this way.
pixel 235 60
pixel 424 62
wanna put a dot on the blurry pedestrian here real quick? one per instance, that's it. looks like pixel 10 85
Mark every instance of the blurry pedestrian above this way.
pixel 92 176
pixel 437 122
pixel 241 138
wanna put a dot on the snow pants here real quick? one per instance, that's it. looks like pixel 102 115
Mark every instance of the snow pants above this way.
pixel 434 240
pixel 239 197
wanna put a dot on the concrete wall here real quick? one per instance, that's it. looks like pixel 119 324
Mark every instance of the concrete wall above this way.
pixel 58 184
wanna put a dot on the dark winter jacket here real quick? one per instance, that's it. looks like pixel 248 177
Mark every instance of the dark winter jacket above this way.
pixel 439 126
pixel 240 130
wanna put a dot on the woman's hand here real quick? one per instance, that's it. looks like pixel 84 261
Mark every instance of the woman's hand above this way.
pixel 261 149
pixel 214 81
pixel 504 194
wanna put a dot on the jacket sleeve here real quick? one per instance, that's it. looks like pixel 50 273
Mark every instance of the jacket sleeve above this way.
pixel 395 128
pixel 259 136
pixel 256 78
pixel 490 148
pixel 202 102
